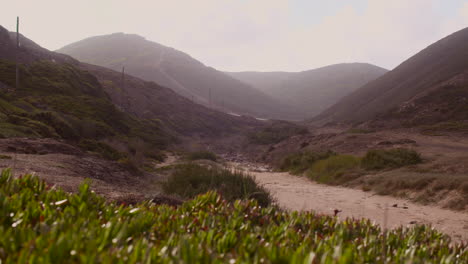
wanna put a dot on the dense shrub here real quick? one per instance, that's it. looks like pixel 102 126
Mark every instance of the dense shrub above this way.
pixel 201 155
pixel 276 132
pixel 299 162
pixel 190 180
pixel 330 170
pixel 43 225
pixel 102 149
pixel 393 158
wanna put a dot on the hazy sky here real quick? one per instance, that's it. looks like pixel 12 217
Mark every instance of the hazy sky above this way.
pixel 264 35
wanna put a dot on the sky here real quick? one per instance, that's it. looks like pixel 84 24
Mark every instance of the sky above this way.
pixel 251 35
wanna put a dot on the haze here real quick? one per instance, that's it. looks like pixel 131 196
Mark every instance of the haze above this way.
pixel 261 35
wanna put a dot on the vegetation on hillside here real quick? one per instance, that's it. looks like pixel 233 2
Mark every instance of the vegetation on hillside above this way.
pixel 61 101
pixel 276 132
pixel 39 224
pixel 335 169
pixel 299 162
pixel 332 168
pixel 190 180
pixel 392 158
pixel 201 155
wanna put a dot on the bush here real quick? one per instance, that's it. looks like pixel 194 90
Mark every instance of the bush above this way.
pixel 332 169
pixel 276 132
pixel 393 158
pixel 102 149
pixel 299 162
pixel 190 180
pixel 201 155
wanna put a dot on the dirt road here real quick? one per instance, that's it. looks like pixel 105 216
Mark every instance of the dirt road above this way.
pixel 299 193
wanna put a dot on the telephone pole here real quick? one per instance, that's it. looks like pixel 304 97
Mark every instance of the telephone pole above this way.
pixel 210 98
pixel 122 97
pixel 17 53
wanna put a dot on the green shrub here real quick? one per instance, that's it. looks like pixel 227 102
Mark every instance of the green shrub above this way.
pixel 201 155
pixel 39 224
pixel 334 168
pixel 276 132
pixel 299 162
pixel 102 149
pixel 190 180
pixel 393 158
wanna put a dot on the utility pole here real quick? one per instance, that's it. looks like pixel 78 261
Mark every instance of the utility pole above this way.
pixel 210 98
pixel 17 53
pixel 122 98
pixel 123 77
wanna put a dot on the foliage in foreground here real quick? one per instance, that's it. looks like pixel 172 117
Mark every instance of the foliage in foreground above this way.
pixel 42 225
pixel 190 180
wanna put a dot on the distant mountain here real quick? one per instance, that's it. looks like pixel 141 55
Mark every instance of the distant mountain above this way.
pixel 178 71
pixel 314 90
pixel 419 83
pixel 59 97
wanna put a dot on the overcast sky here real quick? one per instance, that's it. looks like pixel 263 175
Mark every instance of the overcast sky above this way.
pixel 262 35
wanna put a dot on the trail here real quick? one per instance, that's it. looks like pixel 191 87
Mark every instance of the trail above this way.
pixel 299 193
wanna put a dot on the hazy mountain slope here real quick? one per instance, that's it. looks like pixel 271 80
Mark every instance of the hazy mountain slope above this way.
pixel 61 97
pixel 176 70
pixel 314 90
pixel 266 82
pixel 432 66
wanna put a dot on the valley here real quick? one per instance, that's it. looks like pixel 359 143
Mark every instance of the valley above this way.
pixel 159 158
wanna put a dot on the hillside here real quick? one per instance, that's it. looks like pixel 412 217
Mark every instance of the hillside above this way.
pixel 426 71
pixel 178 71
pixel 314 90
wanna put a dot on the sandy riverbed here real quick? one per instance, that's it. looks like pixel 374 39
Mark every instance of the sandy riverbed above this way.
pixel 299 193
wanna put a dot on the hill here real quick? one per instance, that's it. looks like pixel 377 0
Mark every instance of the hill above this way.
pixel 95 108
pixel 314 90
pixel 174 69
pixel 442 64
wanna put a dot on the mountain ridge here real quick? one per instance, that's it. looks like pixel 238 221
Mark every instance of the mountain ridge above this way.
pixel 431 66
pixel 177 70
pixel 312 90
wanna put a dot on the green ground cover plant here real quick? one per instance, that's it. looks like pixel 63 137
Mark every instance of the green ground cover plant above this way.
pixel 39 224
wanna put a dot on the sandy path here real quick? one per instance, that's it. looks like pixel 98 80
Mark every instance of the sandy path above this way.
pixel 298 193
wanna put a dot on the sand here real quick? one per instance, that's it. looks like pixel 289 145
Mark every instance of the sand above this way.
pixel 302 194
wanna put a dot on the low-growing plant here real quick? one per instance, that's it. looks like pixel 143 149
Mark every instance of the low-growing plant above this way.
pixel 190 180
pixel 392 158
pixel 299 162
pixel 102 149
pixel 333 169
pixel 43 225
pixel 276 132
pixel 2 156
pixel 201 155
